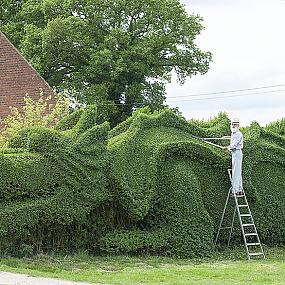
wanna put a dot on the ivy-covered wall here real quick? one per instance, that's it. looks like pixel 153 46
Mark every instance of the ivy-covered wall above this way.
pixel 145 186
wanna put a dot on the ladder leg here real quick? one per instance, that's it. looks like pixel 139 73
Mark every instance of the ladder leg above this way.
pixel 222 218
pixel 232 225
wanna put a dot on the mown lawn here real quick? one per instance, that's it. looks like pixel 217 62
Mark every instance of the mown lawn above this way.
pixel 229 267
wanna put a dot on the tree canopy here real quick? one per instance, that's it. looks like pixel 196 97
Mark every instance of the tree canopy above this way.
pixel 118 54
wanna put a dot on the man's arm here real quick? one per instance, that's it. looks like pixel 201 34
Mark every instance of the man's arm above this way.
pixel 236 140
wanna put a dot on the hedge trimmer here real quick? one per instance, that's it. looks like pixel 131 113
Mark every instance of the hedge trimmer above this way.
pixel 206 140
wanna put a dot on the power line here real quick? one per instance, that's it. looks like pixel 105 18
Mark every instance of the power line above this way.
pixel 229 96
pixel 207 98
pixel 229 91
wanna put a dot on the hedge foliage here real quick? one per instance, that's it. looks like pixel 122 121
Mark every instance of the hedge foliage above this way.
pixel 145 186
pixel 174 186
pixel 51 185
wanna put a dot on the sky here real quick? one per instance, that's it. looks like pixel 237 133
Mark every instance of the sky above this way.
pixel 247 41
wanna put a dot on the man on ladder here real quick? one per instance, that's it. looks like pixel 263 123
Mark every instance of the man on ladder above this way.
pixel 249 233
pixel 235 148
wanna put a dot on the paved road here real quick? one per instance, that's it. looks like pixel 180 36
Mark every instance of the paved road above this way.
pixel 20 279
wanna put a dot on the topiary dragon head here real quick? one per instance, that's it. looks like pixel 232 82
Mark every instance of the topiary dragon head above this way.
pixel 52 179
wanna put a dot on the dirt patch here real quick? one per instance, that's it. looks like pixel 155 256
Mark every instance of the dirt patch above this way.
pixel 21 279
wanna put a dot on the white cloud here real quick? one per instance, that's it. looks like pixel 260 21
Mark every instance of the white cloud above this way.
pixel 247 42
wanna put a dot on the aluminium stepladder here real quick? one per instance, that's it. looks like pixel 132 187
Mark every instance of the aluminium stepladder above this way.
pixel 251 239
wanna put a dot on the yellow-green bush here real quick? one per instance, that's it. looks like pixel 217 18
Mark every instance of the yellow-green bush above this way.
pixel 46 111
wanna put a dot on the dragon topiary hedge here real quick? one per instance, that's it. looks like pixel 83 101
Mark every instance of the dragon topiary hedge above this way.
pixel 145 186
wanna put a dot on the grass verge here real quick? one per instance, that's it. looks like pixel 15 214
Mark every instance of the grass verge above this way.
pixel 227 267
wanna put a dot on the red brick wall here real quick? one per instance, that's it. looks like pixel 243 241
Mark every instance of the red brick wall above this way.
pixel 17 78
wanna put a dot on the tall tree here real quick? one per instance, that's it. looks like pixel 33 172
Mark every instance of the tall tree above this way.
pixel 119 54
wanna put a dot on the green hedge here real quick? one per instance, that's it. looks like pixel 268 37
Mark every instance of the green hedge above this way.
pixel 50 189
pixel 145 186
pixel 169 184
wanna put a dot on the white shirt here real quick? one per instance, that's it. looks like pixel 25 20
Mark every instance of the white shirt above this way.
pixel 236 141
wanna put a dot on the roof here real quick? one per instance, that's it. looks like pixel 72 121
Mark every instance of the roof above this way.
pixel 17 78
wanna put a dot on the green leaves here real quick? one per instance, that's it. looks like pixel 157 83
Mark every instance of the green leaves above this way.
pixel 121 52
pixel 167 182
pixel 145 186
pixel 46 111
pixel 52 184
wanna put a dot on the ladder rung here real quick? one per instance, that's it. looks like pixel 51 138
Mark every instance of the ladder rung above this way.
pixel 225 228
pixel 245 215
pixel 253 243
pixel 251 234
pixel 256 253
pixel 243 206
pixel 247 225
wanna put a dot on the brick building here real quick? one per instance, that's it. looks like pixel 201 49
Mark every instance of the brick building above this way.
pixel 17 78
